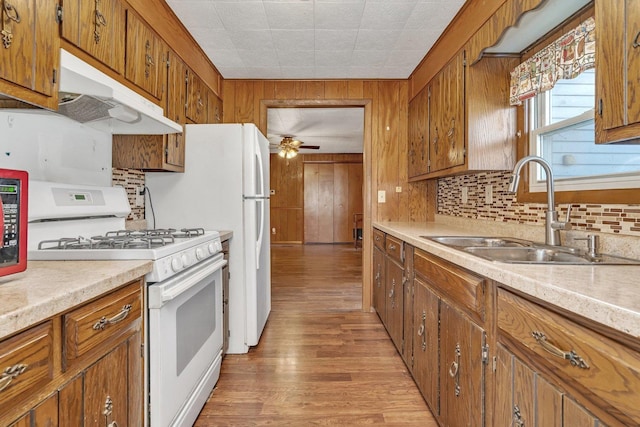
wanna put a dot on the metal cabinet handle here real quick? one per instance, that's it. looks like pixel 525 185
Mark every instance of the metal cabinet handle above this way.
pixel 108 409
pixel 422 331
pixel 571 355
pixel 392 247
pixel 148 59
pixel 104 322
pixel 517 417
pixel 635 40
pixel 98 20
pixel 435 141
pixel 9 13
pixel 10 373
pixel 454 370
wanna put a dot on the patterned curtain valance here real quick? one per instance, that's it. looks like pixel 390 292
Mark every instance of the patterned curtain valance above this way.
pixel 565 58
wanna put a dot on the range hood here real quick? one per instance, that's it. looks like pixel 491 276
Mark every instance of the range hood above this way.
pixel 89 96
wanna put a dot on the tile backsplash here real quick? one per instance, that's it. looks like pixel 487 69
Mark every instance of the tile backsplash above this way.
pixel 501 206
pixel 130 179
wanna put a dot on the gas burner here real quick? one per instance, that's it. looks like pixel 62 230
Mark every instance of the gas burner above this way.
pixel 65 243
pixel 189 232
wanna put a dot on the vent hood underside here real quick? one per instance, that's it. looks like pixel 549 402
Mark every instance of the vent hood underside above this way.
pixel 89 96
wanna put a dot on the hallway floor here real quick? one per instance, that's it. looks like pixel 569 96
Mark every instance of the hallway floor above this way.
pixel 321 360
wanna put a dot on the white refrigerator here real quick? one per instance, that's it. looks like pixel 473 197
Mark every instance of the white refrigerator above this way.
pixel 225 186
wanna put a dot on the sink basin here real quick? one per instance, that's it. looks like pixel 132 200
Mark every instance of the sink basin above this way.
pixel 473 241
pixel 545 255
pixel 514 250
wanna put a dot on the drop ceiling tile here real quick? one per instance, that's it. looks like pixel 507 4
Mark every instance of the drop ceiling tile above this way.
pixel 252 40
pixel 376 39
pixel 296 72
pixel 416 39
pixel 364 72
pixel 327 72
pixel 333 58
pixel 242 15
pixel 369 58
pixel 259 58
pixel 335 39
pixel 195 14
pixel 229 57
pixel 407 59
pixel 293 39
pixel 289 16
pixel 264 73
pixel 296 58
pixel 391 72
pixel 340 16
pixel 212 39
pixel 432 15
pixel 386 15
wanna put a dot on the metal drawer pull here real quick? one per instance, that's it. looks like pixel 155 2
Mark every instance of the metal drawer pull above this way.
pixel 422 331
pixel 392 247
pixel 571 356
pixel 10 373
pixel 104 322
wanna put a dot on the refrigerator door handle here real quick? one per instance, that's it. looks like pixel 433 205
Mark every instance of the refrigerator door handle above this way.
pixel 259 193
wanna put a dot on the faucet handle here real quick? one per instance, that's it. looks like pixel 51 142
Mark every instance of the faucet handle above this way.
pixel 563 225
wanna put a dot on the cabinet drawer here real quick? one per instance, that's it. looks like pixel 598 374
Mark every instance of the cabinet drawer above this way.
pixel 605 371
pixel 96 325
pixel 378 238
pixel 26 364
pixel 393 247
pixel 459 286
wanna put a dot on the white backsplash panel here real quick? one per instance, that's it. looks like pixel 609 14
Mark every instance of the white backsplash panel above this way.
pixel 487 198
pixel 54 148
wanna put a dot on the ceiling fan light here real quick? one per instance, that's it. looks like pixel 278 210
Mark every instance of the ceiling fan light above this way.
pixel 292 153
pixel 282 153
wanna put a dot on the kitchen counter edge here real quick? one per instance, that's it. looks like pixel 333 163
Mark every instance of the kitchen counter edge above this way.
pixel 606 294
pixel 48 288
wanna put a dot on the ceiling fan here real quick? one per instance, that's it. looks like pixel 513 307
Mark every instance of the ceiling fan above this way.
pixel 289 147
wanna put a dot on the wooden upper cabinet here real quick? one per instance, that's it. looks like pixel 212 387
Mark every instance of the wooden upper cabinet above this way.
pixel 214 108
pixel 446 116
pixel 29 54
pixel 176 110
pixel 145 63
pixel 196 98
pixel 618 70
pixel 419 134
pixel 98 28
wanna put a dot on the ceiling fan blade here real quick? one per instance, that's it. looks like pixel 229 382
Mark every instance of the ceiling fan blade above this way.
pixel 310 147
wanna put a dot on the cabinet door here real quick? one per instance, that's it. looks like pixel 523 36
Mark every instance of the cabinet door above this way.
pixel 29 31
pixel 618 70
pixel 144 65
pixel 196 98
pixel 176 108
pixel 106 389
pixel 407 305
pixel 446 116
pixel 425 344
pixel 45 414
pixel 462 369
pixel 214 108
pixel 394 304
pixel 97 27
pixel 419 134
pixel 379 284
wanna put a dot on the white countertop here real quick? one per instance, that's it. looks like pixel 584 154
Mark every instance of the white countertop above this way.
pixel 48 288
pixel 606 294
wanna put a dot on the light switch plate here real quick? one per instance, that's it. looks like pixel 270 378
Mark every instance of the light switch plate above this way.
pixel 382 196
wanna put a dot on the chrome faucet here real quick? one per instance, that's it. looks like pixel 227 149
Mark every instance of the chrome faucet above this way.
pixel 552 225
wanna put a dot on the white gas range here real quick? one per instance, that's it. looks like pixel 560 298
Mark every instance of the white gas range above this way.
pixel 183 325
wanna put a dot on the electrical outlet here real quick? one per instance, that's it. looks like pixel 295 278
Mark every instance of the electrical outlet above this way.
pixel 139 196
pixel 382 196
pixel 488 194
pixel 398 189
pixel 465 195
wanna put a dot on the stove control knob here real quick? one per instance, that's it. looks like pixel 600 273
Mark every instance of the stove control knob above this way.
pixel 176 264
pixel 186 260
pixel 212 248
pixel 200 253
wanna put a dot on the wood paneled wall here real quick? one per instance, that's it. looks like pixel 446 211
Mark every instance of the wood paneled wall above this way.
pixel 385 141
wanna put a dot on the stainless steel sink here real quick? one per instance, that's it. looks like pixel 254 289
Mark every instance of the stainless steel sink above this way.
pixel 514 250
pixel 477 241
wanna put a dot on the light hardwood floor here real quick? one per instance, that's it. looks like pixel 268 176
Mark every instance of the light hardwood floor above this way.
pixel 321 360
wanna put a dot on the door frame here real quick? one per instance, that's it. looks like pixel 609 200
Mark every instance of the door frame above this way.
pixel 367 174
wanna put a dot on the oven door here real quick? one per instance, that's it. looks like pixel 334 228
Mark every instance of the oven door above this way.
pixel 185 342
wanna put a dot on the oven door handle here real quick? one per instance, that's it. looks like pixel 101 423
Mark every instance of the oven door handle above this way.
pixel 192 280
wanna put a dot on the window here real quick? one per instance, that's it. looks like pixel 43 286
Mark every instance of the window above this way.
pixel 563 132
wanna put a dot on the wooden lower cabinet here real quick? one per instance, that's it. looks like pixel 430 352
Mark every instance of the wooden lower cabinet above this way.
pixel 526 398
pixel 103 387
pixel 462 382
pixel 394 301
pixel 379 284
pixel 426 364
pixel 407 306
